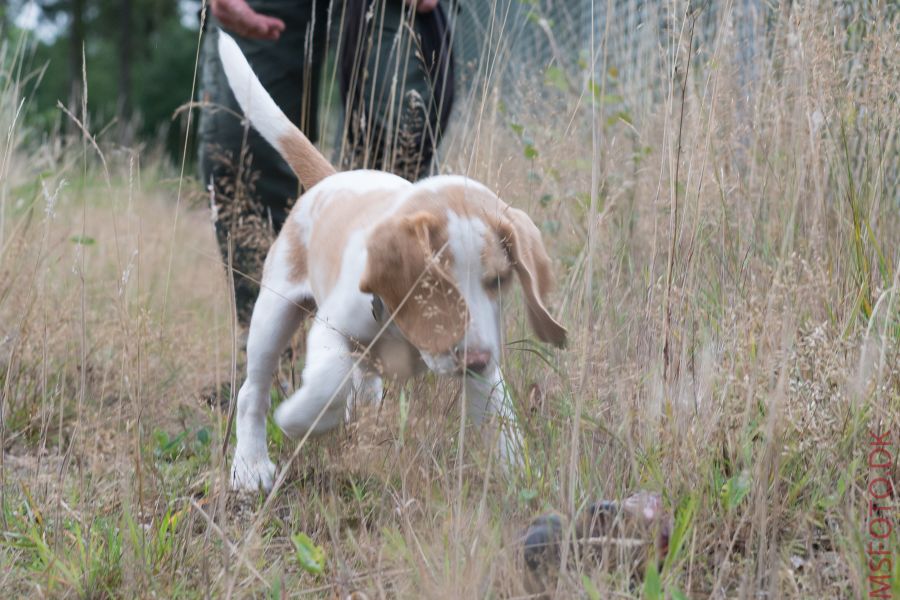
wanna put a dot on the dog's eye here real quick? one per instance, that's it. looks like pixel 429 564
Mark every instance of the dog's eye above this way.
pixel 495 283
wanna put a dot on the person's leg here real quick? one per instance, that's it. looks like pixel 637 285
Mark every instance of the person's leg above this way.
pixel 253 187
pixel 397 84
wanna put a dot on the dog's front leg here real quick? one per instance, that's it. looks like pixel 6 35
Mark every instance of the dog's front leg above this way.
pixel 487 396
pixel 275 318
pixel 320 403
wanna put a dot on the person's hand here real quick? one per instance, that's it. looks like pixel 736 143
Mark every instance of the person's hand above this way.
pixel 237 16
pixel 423 6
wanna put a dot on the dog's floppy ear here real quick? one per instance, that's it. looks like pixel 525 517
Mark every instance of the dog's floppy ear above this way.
pixel 531 263
pixel 406 269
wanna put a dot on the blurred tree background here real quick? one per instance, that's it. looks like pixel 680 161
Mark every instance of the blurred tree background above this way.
pixel 139 57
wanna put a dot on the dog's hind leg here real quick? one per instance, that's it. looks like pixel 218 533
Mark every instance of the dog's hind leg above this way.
pixel 320 403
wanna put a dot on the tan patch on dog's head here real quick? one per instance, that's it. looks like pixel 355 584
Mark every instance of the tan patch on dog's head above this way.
pixel 521 240
pixel 408 267
pixel 434 316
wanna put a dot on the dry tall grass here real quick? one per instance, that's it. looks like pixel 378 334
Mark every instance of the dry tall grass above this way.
pixel 728 258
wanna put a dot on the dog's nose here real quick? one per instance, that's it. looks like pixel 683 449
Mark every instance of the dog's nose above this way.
pixel 477 360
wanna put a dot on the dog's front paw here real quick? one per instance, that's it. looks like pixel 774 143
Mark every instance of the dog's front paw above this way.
pixel 252 473
pixel 296 417
pixel 286 418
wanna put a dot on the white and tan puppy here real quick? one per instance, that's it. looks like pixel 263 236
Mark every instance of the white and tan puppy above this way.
pixel 404 276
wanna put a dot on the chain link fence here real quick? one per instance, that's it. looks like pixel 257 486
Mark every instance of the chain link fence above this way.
pixel 524 43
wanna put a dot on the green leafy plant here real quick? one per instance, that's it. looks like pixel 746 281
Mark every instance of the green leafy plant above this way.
pixel 183 444
pixel 310 556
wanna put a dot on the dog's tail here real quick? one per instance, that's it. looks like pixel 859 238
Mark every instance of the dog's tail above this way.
pixel 269 120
